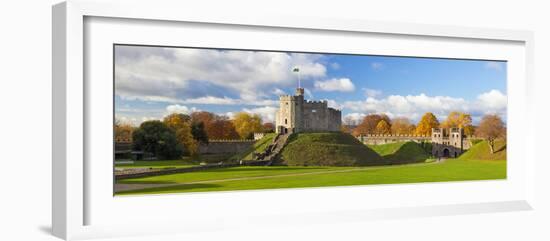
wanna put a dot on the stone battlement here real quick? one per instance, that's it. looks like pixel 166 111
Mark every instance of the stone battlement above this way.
pixel 298 115
pixel 315 102
pixel 396 135
pixel 231 140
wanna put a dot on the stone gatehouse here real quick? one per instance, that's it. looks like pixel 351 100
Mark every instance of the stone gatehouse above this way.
pixel 298 115
pixel 448 142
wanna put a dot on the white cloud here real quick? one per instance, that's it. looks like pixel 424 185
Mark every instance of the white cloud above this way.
pixel 267 113
pixel 494 65
pixel 493 102
pixel 334 104
pixel 376 65
pixel 342 84
pixel 335 66
pixel 171 74
pixel 181 109
pixel 372 92
pixel 149 118
pixel 229 115
pixel 354 118
pixel 278 91
pixel 413 106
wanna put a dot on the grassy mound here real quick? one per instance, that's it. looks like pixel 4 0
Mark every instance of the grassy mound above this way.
pixel 401 152
pixel 328 149
pixel 481 151
pixel 258 147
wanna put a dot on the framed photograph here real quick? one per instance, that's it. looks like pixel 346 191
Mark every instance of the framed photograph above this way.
pixel 177 121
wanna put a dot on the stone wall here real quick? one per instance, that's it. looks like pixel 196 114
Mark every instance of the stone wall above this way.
pixel 225 146
pixel 317 116
pixel 385 139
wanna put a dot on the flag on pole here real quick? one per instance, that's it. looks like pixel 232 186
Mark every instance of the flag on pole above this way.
pixel 297 70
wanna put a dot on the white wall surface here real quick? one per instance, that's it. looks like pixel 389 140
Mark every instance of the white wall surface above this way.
pixel 25 120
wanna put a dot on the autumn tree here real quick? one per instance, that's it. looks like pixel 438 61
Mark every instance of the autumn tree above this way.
pixel 123 131
pixel 369 123
pixel 198 132
pixel 181 125
pixel 246 124
pixel 491 128
pixel 157 138
pixel 221 128
pixel 383 127
pixel 268 127
pixel 202 116
pixel 462 120
pixel 402 126
pixel 426 124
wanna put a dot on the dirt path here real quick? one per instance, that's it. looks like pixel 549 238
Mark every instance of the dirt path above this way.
pixel 119 187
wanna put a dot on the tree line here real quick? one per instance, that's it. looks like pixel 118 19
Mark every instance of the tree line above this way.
pixel 490 128
pixel 178 133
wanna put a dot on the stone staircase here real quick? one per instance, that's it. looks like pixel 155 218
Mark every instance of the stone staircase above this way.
pixel 271 153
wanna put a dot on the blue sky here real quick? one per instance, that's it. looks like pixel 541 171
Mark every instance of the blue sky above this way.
pixel 151 82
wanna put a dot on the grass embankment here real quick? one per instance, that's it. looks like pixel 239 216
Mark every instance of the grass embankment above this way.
pixel 258 147
pixel 401 152
pixel 482 151
pixel 328 149
pixel 293 177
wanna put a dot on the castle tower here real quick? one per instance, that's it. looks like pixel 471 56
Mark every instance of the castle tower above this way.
pixel 299 91
pixel 289 115
pixel 455 137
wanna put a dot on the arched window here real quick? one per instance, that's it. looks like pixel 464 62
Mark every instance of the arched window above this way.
pixel 286 121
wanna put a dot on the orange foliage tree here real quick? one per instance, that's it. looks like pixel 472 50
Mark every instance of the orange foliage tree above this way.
pixel 246 124
pixel 402 126
pixel 426 124
pixel 491 128
pixel 369 123
pixel 383 127
pixel 181 125
pixel 460 120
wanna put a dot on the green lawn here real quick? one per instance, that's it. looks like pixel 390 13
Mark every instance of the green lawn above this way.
pixel 482 151
pixel 157 164
pixel 184 162
pixel 226 173
pixel 450 170
pixel 401 152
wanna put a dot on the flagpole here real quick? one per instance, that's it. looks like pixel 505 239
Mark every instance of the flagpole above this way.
pixel 299 81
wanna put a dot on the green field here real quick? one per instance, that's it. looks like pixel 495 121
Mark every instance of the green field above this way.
pixel 312 153
pixel 184 162
pixel 401 152
pixel 293 177
pixel 481 151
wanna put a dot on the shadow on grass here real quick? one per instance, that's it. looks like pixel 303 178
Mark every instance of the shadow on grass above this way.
pixel 502 148
pixel 168 189
pixel 274 168
pixel 130 181
pixel 409 152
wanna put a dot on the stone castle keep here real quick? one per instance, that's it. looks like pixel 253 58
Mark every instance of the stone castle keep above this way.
pixel 298 115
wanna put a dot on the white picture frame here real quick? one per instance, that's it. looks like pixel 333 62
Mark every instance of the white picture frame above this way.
pixel 72 189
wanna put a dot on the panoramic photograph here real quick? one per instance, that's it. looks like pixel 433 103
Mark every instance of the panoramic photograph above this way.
pixel 204 119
